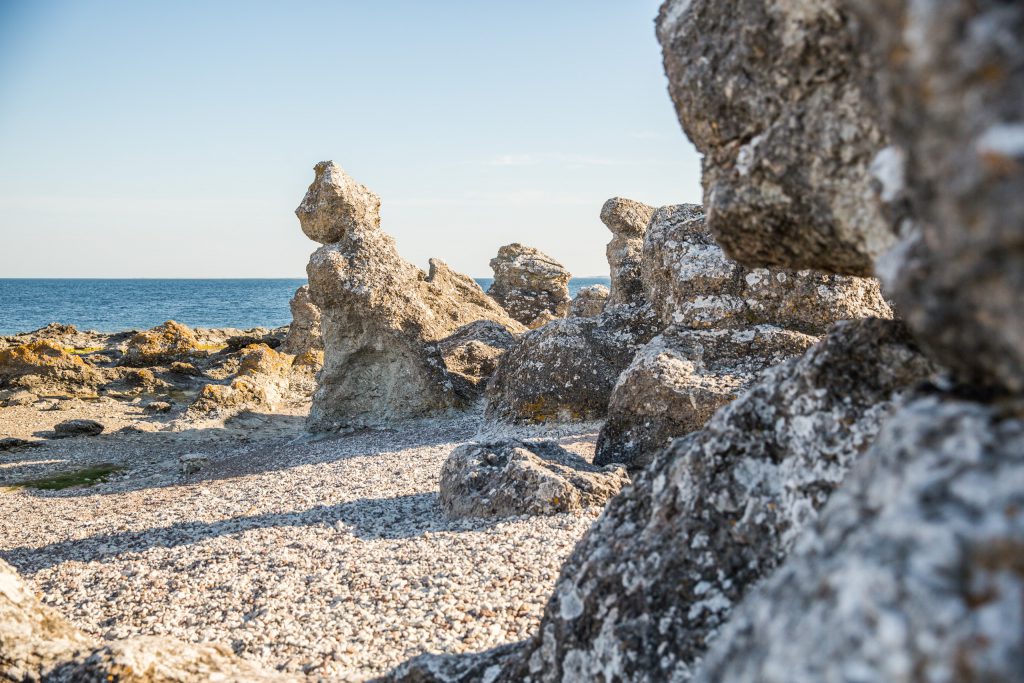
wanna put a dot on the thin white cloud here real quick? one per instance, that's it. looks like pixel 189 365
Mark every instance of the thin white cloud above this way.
pixel 552 159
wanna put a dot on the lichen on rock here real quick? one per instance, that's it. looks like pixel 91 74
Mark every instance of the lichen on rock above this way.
pixel 528 283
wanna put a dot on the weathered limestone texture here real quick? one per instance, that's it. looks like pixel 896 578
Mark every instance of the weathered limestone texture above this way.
pixel 913 571
pixel 44 366
pixel 953 89
pixel 693 283
pixel 304 331
pixel 565 370
pixel 677 381
pixel 627 220
pixel 382 317
pixel 473 350
pixel 513 477
pixel 777 97
pixel 528 283
pixel 659 572
pixel 724 324
pixel 261 383
pixel 589 301
pixel 37 644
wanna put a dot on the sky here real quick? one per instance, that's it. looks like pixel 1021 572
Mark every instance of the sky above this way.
pixel 175 139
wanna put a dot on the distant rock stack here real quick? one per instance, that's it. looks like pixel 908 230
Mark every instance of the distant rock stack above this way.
pixel 627 220
pixel 530 285
pixel 589 302
pixel 384 320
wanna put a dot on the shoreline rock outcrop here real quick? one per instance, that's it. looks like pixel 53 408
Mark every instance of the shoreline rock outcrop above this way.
pixel 304 330
pixel 530 285
pixel 382 317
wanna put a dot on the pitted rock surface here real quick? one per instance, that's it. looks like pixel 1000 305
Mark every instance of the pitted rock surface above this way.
pixel 659 572
pixel 693 283
pixel 565 370
pixel 589 302
pixel 627 220
pixel 473 350
pixel 382 318
pixel 528 283
pixel 513 477
pixel 677 381
pixel 338 206
pixel 777 97
pixel 912 572
pixel 304 331
pixel 953 92
pixel 262 382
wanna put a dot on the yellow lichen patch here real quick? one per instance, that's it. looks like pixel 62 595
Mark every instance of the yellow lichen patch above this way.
pixel 38 357
pixel 83 350
pixel 309 359
pixel 260 359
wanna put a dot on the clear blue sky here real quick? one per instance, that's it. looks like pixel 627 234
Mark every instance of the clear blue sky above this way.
pixel 175 139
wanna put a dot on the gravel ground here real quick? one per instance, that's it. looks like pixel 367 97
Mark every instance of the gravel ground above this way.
pixel 325 557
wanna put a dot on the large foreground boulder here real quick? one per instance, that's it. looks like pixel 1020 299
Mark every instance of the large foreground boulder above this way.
pixel 659 573
pixel 914 571
pixel 776 95
pixel 37 644
pixel 529 284
pixel 953 94
pixel 513 477
pixel 382 317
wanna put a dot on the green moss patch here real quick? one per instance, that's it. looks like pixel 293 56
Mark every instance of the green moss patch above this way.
pixel 88 476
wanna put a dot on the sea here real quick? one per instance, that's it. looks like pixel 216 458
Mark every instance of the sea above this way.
pixel 118 305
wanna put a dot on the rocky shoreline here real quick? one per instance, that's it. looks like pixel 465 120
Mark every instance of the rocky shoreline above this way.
pixel 749 459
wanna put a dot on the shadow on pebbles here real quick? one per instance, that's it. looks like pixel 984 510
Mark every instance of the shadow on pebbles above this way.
pixel 324 557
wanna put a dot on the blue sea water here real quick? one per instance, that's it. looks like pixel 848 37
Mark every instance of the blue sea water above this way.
pixel 116 305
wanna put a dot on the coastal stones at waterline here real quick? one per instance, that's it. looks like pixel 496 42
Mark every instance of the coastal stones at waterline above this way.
pixel 778 99
pixel 659 572
pixel 382 317
pixel 80 427
pixel 513 477
pixel 677 381
pixel 528 283
pixel 44 366
pixel 565 370
pixel 627 220
pixel 38 644
pixel 953 93
pixel 692 282
pixel 304 331
pixel 913 572
pixel 589 301
pixel 161 345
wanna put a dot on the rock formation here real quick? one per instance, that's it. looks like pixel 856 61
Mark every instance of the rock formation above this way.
pixel 724 324
pixel 304 331
pixel 261 383
pixel 528 283
pixel 953 94
pixel 677 381
pixel 913 571
pixel 565 370
pixel 161 345
pixel 777 98
pixel 589 302
pixel 472 352
pixel 512 478
pixel 44 366
pixel 627 220
pixel 37 644
pixel 382 317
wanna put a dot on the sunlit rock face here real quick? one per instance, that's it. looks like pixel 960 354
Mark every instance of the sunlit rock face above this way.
pixel 382 317
pixel 529 284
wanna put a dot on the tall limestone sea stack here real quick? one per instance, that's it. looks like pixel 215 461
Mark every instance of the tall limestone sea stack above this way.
pixel 384 321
